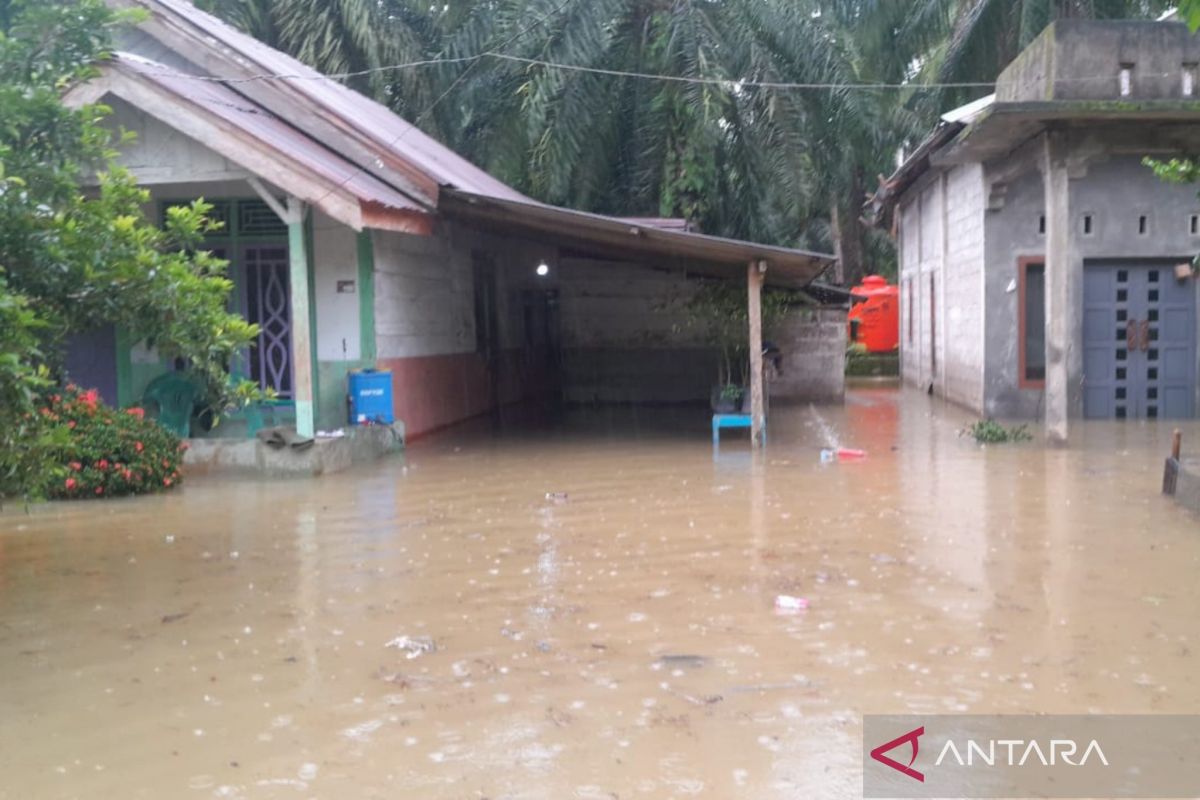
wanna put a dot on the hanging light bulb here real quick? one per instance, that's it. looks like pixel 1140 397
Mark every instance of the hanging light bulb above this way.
pixel 543 269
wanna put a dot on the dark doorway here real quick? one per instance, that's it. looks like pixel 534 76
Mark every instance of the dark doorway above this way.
pixel 542 354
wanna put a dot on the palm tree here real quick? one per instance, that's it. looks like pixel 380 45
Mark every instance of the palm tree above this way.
pixel 338 37
pixel 781 165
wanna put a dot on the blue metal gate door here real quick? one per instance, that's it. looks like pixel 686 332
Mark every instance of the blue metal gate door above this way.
pixel 1139 332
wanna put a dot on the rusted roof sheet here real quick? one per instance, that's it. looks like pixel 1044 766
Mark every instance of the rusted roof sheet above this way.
pixel 277 134
pixel 391 136
pixel 612 237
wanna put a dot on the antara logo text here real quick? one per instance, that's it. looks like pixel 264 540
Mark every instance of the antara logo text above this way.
pixel 990 752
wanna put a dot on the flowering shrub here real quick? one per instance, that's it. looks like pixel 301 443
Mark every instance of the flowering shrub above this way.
pixel 109 452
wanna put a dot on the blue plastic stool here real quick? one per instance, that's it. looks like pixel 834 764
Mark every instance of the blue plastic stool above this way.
pixel 734 421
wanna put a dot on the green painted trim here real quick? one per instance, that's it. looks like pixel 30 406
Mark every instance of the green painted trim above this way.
pixel 124 344
pixel 309 250
pixel 366 297
pixel 298 273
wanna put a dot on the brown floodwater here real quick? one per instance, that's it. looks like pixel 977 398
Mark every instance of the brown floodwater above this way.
pixel 599 600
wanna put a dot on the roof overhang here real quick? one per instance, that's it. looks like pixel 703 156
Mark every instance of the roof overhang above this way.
pixel 995 129
pixel 1005 126
pixel 257 141
pixel 613 238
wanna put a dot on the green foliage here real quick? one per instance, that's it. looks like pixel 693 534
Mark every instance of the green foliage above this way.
pixel 1189 12
pixel 1174 170
pixel 719 309
pixel 76 251
pixel 992 432
pixel 106 452
pixel 861 363
pixel 766 163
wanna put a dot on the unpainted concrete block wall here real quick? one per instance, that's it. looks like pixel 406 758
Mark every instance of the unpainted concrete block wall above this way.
pixel 941 285
pixel 813 347
pixel 627 336
pixel 962 279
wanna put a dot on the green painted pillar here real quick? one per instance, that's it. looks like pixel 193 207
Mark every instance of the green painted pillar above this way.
pixel 302 341
pixel 366 297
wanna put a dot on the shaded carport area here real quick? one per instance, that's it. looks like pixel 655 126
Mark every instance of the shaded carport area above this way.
pixel 618 292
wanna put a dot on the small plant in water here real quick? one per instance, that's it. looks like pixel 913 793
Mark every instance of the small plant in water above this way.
pixel 987 431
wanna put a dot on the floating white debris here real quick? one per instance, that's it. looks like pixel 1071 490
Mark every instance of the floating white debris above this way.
pixel 413 646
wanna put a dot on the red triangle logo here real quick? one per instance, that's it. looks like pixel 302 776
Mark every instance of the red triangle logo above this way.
pixel 911 737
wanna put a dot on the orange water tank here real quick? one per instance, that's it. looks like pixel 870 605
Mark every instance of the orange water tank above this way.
pixel 875 315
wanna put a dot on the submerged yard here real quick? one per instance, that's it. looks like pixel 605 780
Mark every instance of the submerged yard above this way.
pixel 589 611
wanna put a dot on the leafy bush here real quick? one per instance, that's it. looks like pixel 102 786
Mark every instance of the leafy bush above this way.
pixel 77 251
pixel 108 452
pixel 992 432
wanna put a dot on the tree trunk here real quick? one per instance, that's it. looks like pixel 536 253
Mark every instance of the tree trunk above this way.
pixel 848 241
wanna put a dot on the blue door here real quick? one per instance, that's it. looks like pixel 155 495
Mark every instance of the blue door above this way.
pixel 1139 331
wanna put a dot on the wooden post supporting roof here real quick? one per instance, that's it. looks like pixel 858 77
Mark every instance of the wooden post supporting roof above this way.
pixel 302 344
pixel 1059 314
pixel 755 275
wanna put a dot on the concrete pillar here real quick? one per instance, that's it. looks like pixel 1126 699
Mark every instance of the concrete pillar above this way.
pixel 755 274
pixel 1059 313
pixel 302 344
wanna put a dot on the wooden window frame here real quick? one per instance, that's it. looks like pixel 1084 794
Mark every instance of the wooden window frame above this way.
pixel 1023 264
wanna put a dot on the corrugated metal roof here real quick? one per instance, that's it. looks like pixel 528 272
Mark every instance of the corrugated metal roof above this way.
pixel 256 121
pixel 647 244
pixel 392 136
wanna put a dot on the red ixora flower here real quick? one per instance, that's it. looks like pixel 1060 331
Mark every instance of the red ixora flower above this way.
pixel 138 446
pixel 90 398
pixel 75 465
pixel 166 481
pixel 140 413
pixel 71 424
pixel 102 463
pixel 99 490
pixel 70 484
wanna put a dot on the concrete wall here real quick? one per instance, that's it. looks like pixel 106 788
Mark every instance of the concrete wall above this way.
pixel 1076 59
pixel 425 322
pixel 941 240
pixel 1114 191
pixel 813 355
pixel 627 337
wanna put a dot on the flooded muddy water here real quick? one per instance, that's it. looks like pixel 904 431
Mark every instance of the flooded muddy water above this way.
pixel 588 611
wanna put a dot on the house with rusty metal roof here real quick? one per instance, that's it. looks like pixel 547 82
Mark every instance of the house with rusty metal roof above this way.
pixel 1044 268
pixel 358 242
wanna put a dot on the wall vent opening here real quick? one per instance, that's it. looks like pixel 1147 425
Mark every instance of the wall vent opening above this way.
pixel 1126 79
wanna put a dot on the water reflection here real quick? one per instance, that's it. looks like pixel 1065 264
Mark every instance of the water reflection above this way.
pixel 597 600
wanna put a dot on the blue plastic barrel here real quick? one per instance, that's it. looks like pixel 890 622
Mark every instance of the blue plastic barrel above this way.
pixel 371 397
